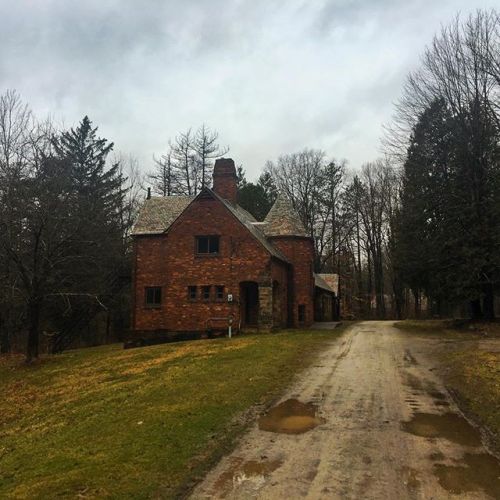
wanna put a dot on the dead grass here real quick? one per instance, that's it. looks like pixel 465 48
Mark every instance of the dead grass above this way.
pixel 112 423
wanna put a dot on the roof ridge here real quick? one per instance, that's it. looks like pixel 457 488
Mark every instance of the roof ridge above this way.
pixel 254 231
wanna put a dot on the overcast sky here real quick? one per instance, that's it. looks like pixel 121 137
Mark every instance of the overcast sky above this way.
pixel 272 77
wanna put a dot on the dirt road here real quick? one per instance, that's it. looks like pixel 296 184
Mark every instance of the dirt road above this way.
pixel 370 419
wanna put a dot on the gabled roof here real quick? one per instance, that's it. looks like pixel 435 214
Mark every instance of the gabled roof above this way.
pixel 248 221
pixel 283 220
pixel 158 213
pixel 328 282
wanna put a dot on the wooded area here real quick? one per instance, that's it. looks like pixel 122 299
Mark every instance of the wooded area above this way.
pixel 415 232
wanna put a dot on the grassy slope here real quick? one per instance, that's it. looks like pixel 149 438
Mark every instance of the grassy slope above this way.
pixel 473 373
pixel 108 422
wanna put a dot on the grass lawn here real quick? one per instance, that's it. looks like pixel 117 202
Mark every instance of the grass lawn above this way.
pixel 470 366
pixel 112 423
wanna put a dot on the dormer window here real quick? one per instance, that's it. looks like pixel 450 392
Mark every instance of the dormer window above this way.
pixel 207 245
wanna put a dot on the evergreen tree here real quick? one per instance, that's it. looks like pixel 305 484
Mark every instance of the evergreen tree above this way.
pixel 257 198
pixel 96 203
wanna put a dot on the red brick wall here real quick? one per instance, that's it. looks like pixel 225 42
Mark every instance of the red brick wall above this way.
pixel 224 179
pixel 150 269
pixel 300 252
pixel 170 261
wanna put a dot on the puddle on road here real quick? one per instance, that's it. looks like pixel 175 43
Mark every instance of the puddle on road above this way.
pixel 240 471
pixel 291 417
pixel 481 472
pixel 449 425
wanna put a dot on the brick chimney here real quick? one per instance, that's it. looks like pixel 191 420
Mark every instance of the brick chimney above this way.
pixel 225 179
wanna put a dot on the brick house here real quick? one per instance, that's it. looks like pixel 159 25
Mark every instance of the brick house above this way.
pixel 201 261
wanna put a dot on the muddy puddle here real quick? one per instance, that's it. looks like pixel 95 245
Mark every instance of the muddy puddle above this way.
pixel 239 471
pixel 291 417
pixel 448 425
pixel 478 472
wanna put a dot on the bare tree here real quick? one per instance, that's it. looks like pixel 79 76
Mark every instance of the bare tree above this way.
pixel 164 176
pixel 207 149
pixel 299 176
pixel 184 163
pixel 134 184
pixel 16 139
pixel 378 180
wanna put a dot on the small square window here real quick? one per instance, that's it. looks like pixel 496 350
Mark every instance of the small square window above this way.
pixel 153 296
pixel 302 313
pixel 205 292
pixel 192 292
pixel 207 245
pixel 219 292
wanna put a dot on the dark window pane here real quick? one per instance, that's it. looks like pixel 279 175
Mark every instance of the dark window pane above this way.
pixel 219 292
pixel 207 244
pixel 192 292
pixel 214 244
pixel 202 244
pixel 153 296
pixel 206 292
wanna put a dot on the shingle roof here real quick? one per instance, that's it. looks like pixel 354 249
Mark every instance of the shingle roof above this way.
pixel 283 220
pixel 248 221
pixel 157 214
pixel 329 282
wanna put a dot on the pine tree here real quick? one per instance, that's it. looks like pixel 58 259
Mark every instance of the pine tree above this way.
pixel 96 202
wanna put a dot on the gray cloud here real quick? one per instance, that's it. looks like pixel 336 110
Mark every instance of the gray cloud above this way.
pixel 270 76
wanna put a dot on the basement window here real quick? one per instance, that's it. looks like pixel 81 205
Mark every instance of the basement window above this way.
pixel 302 313
pixel 153 296
pixel 207 245
pixel 205 292
pixel 219 292
pixel 192 292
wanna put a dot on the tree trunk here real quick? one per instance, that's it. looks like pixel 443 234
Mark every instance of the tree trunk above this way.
pixel 361 300
pixel 489 303
pixel 33 330
pixel 4 335
pixel 416 299
pixel 369 286
pixel 379 285
pixel 475 309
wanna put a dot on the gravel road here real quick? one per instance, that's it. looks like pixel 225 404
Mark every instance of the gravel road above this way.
pixel 369 419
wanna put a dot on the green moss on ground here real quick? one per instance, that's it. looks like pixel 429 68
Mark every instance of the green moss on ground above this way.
pixel 114 423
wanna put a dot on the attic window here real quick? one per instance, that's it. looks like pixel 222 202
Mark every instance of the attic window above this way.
pixel 153 296
pixel 207 245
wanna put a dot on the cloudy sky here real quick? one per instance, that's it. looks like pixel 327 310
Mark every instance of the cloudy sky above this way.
pixel 272 77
